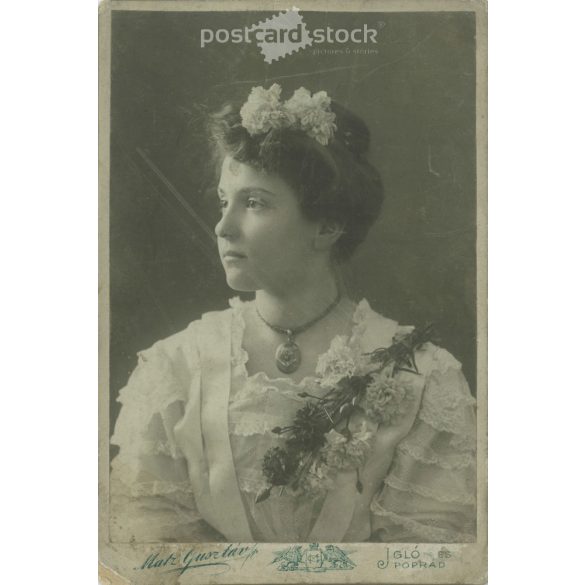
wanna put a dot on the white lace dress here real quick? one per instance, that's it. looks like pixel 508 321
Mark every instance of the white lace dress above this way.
pixel 162 480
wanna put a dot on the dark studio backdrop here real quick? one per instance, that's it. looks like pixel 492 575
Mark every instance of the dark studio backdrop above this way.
pixel 417 95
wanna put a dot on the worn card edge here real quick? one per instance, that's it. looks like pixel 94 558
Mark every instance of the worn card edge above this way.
pixel 478 573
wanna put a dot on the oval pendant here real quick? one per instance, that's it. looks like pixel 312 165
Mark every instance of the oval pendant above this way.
pixel 288 357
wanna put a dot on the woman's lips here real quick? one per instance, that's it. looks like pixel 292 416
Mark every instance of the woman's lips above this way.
pixel 233 256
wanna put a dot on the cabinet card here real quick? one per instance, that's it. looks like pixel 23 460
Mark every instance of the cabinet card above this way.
pixel 293 307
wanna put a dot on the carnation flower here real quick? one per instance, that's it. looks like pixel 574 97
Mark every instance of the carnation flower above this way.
pixel 318 479
pixel 387 400
pixel 279 465
pixel 308 428
pixel 337 363
pixel 313 114
pixel 264 111
pixel 344 453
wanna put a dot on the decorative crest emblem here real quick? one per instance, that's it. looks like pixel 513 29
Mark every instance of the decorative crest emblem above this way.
pixel 313 559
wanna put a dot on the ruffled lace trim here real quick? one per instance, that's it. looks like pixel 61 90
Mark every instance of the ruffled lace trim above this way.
pixel 123 481
pixel 372 330
pixel 239 354
pixel 452 497
pixel 260 384
pixel 151 389
pixel 153 385
pixel 451 461
pixel 250 424
pixel 442 360
pixel 150 447
pixel 426 531
pixel 161 488
pixel 448 421
pixel 446 408
pixel 448 401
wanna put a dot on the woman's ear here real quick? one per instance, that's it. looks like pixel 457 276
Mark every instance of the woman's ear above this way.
pixel 328 233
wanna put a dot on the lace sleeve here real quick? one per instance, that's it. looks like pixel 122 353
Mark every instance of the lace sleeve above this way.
pixel 150 493
pixel 429 492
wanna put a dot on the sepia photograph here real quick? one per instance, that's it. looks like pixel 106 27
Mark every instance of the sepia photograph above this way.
pixel 292 306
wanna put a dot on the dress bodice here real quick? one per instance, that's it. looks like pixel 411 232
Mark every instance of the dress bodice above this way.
pixel 170 448
pixel 259 403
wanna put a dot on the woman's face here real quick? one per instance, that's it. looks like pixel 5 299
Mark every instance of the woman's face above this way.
pixel 263 239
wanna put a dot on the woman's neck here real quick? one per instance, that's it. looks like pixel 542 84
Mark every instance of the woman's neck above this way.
pixel 296 306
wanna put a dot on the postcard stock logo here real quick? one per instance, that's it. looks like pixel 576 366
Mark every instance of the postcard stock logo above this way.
pixel 286 33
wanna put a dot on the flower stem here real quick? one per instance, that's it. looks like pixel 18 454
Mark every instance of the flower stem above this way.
pixel 328 416
pixel 358 484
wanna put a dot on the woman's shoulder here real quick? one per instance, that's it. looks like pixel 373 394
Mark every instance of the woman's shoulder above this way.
pixel 376 330
pixel 184 343
pixel 446 403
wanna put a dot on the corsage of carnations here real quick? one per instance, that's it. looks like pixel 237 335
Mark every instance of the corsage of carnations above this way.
pixel 319 442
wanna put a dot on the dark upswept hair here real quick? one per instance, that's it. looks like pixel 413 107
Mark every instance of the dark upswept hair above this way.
pixel 334 182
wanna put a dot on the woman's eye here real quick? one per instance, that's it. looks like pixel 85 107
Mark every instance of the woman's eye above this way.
pixel 252 203
pixel 222 204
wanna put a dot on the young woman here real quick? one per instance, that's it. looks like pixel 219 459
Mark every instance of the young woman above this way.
pixel 205 408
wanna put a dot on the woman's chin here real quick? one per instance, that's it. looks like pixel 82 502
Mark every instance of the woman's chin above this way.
pixel 239 283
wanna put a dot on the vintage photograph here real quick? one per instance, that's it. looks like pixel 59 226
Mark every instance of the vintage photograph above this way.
pixel 293 315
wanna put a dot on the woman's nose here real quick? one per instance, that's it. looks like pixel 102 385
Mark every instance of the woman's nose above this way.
pixel 226 227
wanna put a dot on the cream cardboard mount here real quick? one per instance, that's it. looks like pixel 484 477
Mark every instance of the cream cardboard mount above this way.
pixel 372 56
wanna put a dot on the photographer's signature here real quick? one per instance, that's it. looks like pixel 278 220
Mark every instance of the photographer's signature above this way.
pixel 219 561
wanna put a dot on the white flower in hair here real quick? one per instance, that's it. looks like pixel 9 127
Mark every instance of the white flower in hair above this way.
pixel 313 114
pixel 264 111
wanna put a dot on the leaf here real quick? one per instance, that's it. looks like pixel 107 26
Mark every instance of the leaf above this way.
pixel 399 369
pixel 344 408
pixel 359 486
pixel 263 495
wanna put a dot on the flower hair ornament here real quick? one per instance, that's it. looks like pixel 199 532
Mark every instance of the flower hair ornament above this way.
pixel 264 111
